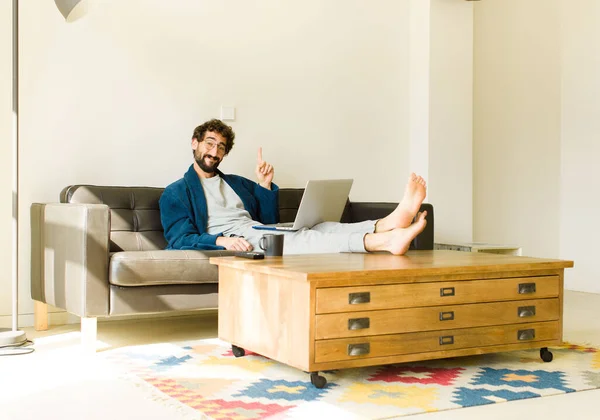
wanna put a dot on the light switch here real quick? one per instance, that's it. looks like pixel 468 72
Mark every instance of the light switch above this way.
pixel 227 113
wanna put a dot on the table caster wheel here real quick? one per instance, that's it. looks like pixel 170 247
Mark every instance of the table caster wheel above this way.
pixel 317 380
pixel 237 351
pixel 546 354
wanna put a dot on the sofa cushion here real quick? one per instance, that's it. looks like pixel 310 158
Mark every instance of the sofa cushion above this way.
pixel 152 268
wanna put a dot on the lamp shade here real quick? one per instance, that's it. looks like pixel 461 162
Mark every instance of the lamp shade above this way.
pixel 70 9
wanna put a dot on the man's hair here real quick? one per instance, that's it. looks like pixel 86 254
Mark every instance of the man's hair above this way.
pixel 217 126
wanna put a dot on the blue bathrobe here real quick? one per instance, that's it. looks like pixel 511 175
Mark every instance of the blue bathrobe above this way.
pixel 184 215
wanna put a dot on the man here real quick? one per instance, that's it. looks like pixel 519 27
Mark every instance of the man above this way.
pixel 208 209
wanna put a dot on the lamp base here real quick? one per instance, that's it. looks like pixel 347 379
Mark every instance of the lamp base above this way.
pixel 12 338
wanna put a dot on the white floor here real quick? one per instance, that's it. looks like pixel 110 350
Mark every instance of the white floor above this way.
pixel 57 381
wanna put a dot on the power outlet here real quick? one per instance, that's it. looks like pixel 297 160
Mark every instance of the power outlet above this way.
pixel 227 113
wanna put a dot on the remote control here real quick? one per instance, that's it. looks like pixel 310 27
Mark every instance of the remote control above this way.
pixel 251 255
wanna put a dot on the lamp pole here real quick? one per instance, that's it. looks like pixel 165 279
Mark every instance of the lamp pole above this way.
pixel 15 337
pixel 15 165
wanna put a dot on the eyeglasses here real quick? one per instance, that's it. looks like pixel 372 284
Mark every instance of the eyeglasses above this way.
pixel 210 144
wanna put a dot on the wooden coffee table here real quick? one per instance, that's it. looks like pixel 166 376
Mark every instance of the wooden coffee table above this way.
pixel 333 311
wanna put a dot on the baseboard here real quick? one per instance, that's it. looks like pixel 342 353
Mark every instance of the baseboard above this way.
pixel 58 317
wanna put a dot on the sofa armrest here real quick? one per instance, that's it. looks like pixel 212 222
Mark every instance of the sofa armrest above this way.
pixel 361 211
pixel 69 257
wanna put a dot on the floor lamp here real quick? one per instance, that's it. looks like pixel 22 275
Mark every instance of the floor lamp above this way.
pixel 14 337
pixel 71 10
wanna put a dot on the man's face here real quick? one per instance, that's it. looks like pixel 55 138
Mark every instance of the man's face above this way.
pixel 209 152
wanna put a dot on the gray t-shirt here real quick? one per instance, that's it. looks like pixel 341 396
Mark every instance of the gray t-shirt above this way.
pixel 226 212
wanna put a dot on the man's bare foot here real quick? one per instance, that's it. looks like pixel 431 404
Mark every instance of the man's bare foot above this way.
pixel 396 241
pixel 403 215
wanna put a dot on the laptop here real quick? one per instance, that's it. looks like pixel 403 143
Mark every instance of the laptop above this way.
pixel 323 201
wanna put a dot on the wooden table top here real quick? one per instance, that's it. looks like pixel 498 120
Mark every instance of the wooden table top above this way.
pixel 413 263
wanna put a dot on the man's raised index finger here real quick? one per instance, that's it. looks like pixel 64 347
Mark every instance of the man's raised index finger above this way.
pixel 259 158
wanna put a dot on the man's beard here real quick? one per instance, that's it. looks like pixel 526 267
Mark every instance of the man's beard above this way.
pixel 207 165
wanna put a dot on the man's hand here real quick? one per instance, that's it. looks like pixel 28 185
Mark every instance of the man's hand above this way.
pixel 234 244
pixel 264 171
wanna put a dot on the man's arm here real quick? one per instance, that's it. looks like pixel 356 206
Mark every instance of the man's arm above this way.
pixel 264 171
pixel 266 192
pixel 179 229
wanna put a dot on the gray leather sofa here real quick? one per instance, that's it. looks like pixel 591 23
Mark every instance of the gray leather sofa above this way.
pixel 100 252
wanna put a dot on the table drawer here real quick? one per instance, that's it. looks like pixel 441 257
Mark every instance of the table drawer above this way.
pixel 399 344
pixel 394 321
pixel 364 298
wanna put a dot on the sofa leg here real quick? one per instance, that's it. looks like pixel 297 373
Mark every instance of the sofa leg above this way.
pixel 89 330
pixel 40 316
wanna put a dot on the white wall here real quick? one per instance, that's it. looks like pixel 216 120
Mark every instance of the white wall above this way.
pixel 580 143
pixel 536 130
pixel 450 181
pixel 113 98
pixel 130 81
pixel 419 74
pixel 5 157
pixel 517 114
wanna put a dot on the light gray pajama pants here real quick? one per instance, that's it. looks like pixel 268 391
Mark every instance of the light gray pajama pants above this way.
pixel 324 238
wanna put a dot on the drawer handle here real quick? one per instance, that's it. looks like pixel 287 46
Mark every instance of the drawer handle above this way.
pixel 359 323
pixel 447 339
pixel 357 298
pixel 447 316
pixel 526 288
pixel 359 349
pixel 523 335
pixel 446 291
pixel 526 311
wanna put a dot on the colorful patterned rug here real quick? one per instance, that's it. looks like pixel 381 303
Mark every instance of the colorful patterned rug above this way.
pixel 205 376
